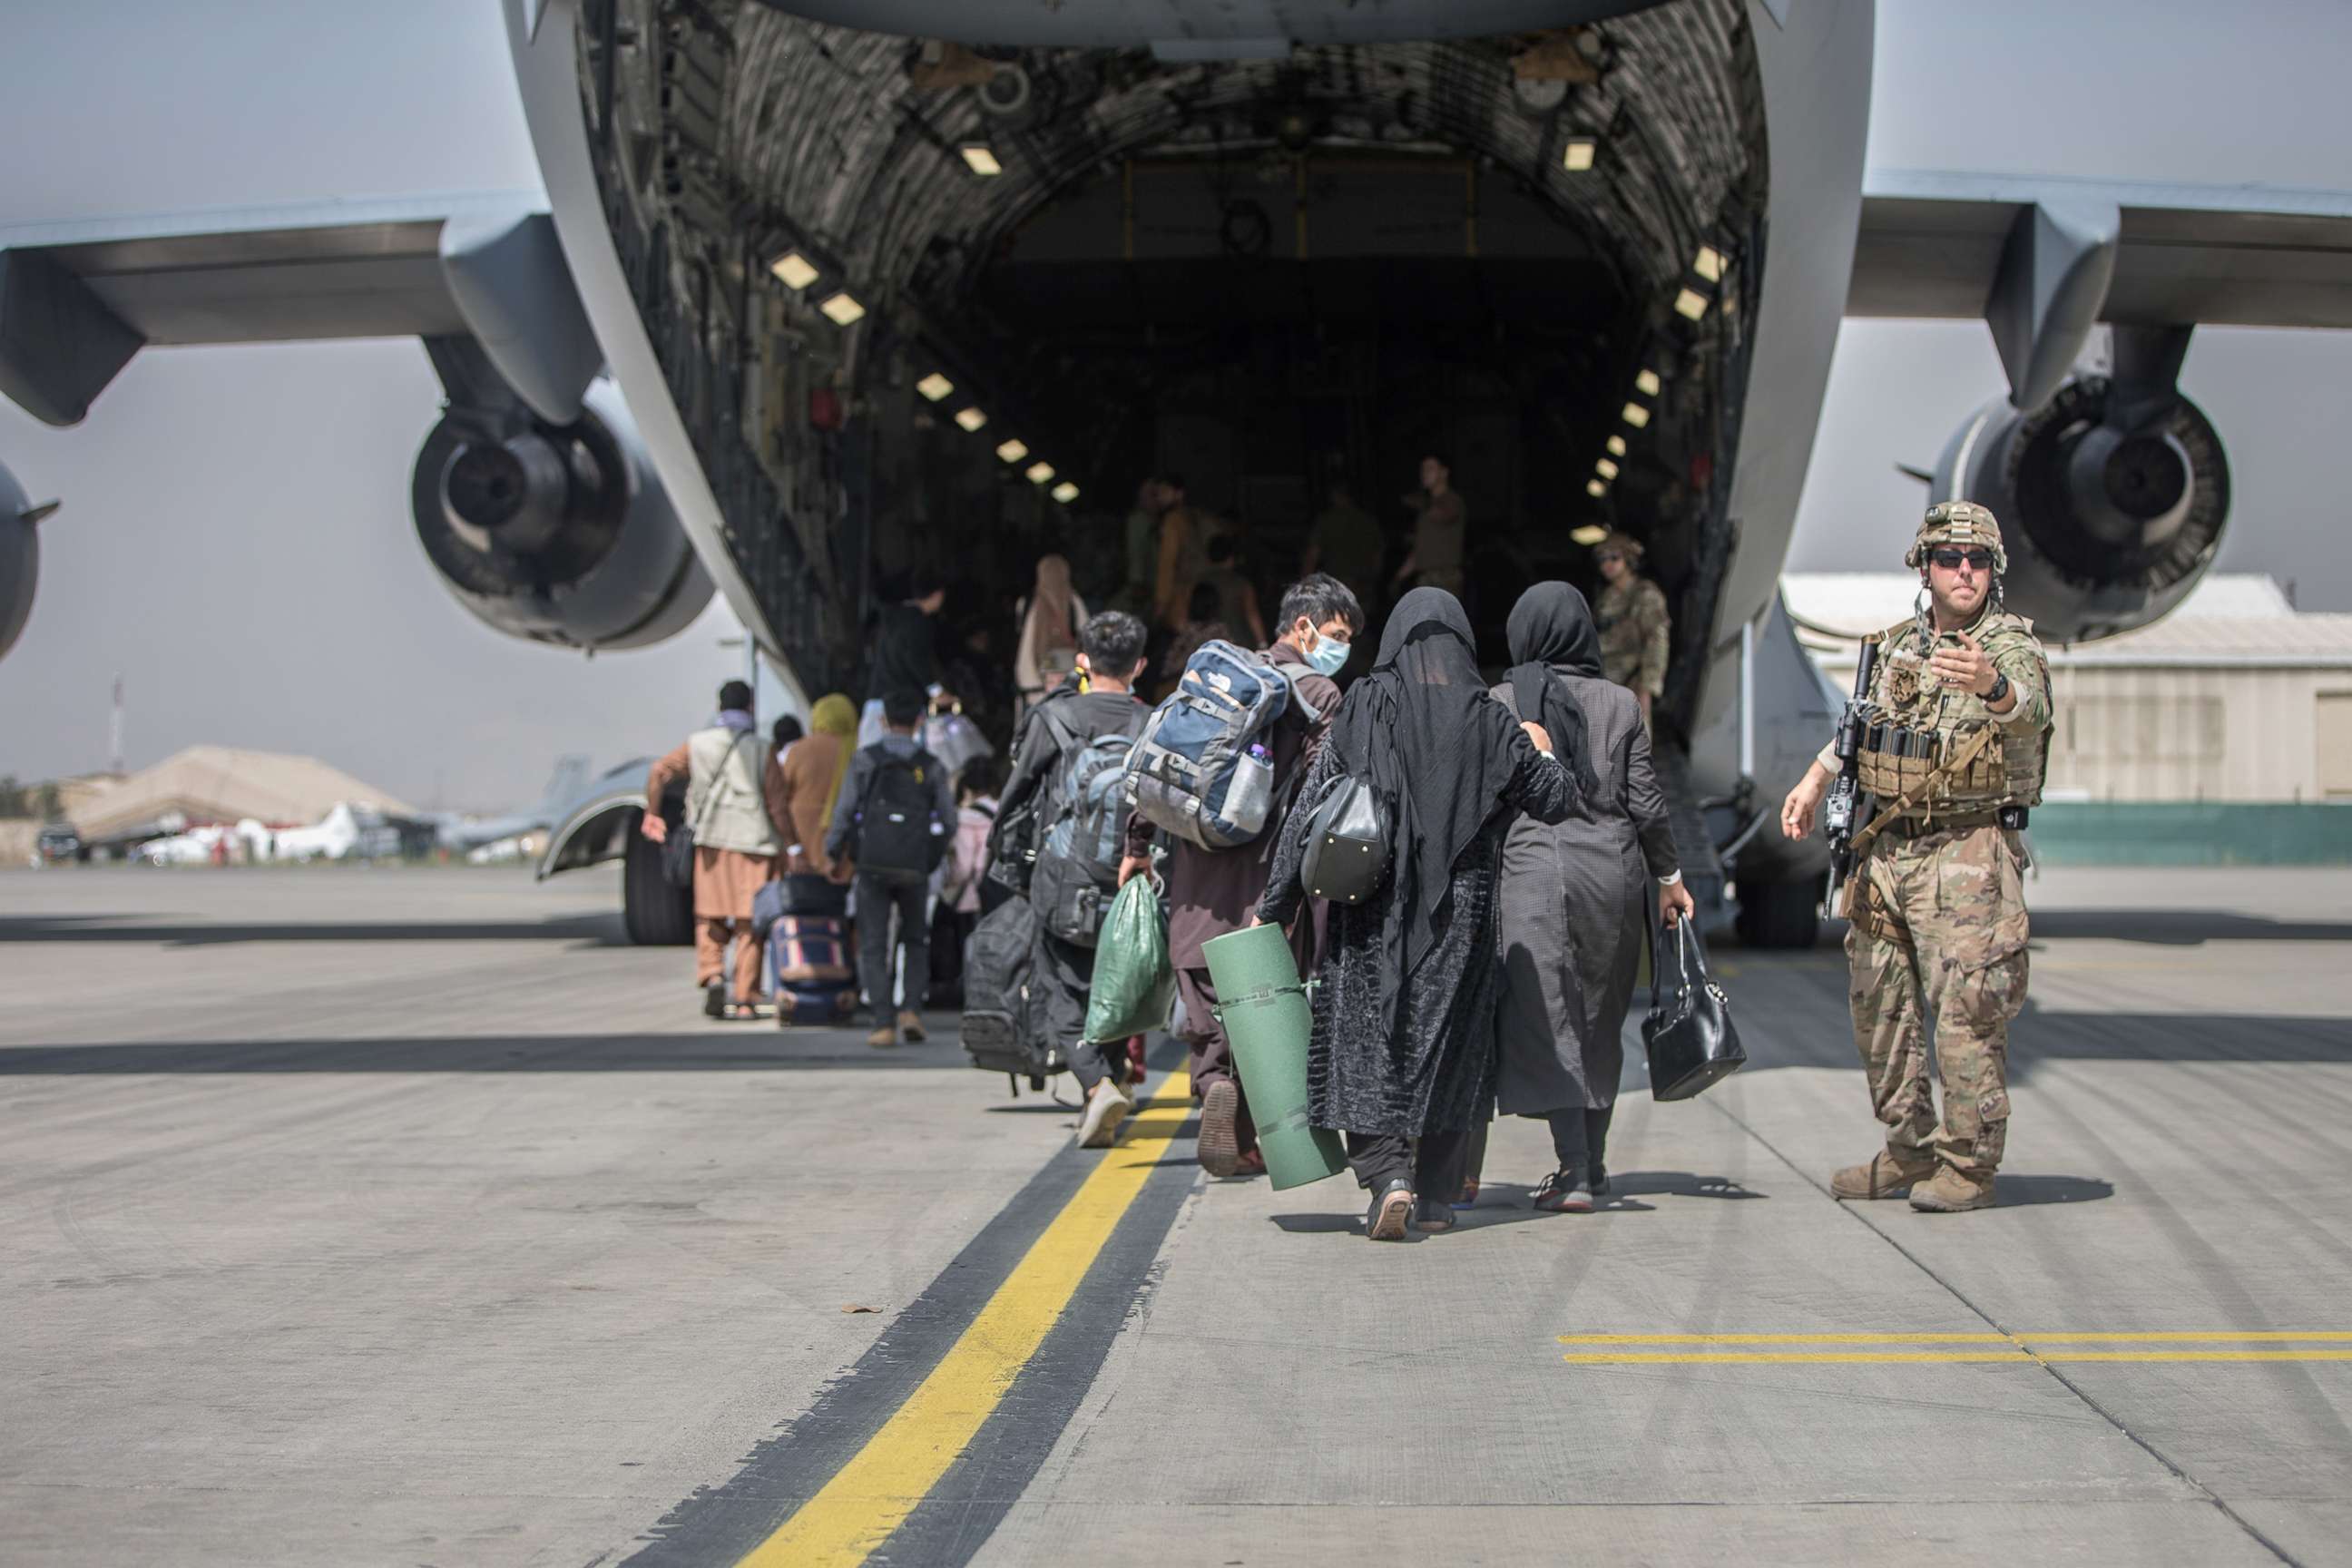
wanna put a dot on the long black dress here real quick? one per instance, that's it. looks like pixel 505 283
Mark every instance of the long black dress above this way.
pixel 1434 1071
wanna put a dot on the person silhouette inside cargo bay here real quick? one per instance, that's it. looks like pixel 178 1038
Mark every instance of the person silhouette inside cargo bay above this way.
pixel 1212 892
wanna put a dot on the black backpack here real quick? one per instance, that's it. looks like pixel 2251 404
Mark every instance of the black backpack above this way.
pixel 898 825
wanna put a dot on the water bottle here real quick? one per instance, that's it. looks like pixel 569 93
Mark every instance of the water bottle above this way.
pixel 1249 792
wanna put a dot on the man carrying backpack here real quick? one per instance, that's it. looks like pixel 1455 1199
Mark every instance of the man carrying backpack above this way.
pixel 1066 804
pixel 894 821
pixel 1212 892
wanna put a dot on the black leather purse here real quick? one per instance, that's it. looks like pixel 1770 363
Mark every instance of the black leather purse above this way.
pixel 677 855
pixel 1346 843
pixel 1691 1040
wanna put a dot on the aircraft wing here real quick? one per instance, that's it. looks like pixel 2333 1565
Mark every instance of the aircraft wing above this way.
pixel 2043 258
pixel 78 299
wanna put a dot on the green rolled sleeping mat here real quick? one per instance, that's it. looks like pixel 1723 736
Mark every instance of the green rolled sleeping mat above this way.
pixel 1262 1005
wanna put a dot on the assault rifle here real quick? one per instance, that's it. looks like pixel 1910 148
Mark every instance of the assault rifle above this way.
pixel 1843 806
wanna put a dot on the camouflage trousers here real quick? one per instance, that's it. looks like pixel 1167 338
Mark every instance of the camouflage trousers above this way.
pixel 1938 936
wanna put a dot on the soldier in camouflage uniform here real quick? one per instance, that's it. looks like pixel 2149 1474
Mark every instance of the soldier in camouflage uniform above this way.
pixel 1937 899
pixel 1631 614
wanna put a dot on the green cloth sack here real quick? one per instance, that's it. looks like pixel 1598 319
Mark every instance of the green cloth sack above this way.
pixel 1134 986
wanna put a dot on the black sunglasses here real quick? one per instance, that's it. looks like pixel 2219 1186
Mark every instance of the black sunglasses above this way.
pixel 1949 560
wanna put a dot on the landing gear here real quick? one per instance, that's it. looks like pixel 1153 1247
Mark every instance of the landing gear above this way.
pixel 1780 914
pixel 655 913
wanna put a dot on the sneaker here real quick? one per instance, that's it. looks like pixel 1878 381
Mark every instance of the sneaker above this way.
pixel 883 1038
pixel 1565 1192
pixel 1953 1192
pixel 910 1024
pixel 1884 1177
pixel 714 999
pixel 1392 1208
pixel 1107 1107
pixel 1599 1182
pixel 1220 1143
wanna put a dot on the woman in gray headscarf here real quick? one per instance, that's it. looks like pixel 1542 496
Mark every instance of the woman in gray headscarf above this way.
pixel 1402 1058
pixel 1577 895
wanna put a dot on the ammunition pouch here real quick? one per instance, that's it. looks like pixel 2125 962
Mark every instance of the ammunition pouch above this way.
pixel 1933 788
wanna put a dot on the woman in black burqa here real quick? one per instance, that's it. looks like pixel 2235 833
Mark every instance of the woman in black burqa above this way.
pixel 1405 1016
pixel 1577 895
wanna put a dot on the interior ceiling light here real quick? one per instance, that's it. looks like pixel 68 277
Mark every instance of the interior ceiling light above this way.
pixel 971 419
pixel 1039 472
pixel 1065 492
pixel 1607 468
pixel 1013 451
pixel 1637 415
pixel 980 159
pixel 794 270
pixel 1709 264
pixel 1591 532
pixel 1577 153
pixel 842 310
pixel 1595 489
pixel 1646 382
pixel 1690 303
pixel 935 386
pixel 1616 446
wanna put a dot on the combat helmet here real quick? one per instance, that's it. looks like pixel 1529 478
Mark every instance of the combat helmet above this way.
pixel 1961 522
pixel 1624 544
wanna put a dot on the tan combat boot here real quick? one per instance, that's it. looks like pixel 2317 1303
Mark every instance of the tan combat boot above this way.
pixel 1884 1177
pixel 1953 1192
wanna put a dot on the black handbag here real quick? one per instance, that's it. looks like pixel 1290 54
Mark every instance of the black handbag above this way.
pixel 1346 843
pixel 1691 1040
pixel 678 855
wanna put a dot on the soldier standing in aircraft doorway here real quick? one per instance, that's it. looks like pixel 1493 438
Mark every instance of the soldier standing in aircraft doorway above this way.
pixel 1951 758
pixel 1630 615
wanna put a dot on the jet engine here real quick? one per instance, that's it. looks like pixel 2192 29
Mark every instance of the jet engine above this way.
pixel 2110 501
pixel 556 533
pixel 20 557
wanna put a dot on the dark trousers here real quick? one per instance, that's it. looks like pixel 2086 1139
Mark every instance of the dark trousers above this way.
pixel 1212 1052
pixel 1432 1162
pixel 1063 974
pixel 880 894
pixel 1580 1137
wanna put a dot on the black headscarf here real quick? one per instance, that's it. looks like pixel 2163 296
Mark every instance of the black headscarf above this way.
pixel 1423 731
pixel 1552 629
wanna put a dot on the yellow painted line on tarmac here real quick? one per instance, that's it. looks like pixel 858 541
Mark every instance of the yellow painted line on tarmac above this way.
pixel 871 1495
pixel 2020 1347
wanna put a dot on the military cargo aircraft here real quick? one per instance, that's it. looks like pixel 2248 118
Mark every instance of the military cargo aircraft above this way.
pixel 822 290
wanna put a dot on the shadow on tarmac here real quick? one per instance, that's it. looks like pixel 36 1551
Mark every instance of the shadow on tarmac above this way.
pixel 741 1047
pixel 589 931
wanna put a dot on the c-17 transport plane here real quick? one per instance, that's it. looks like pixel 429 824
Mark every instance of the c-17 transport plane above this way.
pixel 824 290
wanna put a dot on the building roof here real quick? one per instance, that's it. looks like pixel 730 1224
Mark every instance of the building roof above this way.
pixel 2238 619
pixel 220 783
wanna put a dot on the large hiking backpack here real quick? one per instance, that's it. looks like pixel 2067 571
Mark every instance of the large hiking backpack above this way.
pixel 997 1012
pixel 897 826
pixel 1204 767
pixel 1084 829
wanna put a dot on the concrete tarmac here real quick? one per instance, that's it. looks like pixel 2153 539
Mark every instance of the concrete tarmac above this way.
pixel 408 1217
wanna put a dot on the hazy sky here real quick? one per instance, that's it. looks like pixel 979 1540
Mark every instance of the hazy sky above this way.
pixel 236 539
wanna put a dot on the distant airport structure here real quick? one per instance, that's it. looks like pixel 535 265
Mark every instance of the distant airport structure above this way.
pixel 220 786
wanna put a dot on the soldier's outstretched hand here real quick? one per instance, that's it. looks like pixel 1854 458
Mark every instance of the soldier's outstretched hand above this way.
pixel 1968 666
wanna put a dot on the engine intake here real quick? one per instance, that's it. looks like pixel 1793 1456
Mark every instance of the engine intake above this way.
pixel 557 533
pixel 2110 515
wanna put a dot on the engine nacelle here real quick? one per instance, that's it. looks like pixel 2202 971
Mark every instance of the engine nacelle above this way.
pixel 2108 522
pixel 557 533
pixel 20 557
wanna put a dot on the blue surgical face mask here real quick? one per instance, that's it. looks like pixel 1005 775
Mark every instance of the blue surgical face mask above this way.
pixel 1329 655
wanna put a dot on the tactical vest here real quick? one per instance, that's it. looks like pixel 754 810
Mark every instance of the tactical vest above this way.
pixel 1916 724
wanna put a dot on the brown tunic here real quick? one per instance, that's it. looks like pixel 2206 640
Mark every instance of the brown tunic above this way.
pixel 807 775
pixel 724 880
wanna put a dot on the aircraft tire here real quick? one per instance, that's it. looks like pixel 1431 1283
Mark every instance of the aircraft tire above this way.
pixel 1780 915
pixel 657 914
